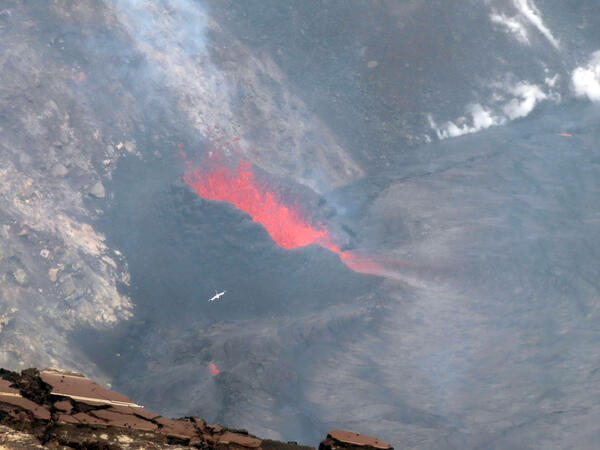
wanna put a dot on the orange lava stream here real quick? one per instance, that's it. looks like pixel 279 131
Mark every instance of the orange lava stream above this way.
pixel 284 223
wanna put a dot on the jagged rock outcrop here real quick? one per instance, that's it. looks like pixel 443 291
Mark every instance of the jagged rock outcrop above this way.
pixel 64 410
pixel 58 409
pixel 348 440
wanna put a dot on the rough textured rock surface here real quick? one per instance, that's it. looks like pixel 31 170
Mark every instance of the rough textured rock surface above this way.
pixel 62 410
pixel 54 260
pixel 342 440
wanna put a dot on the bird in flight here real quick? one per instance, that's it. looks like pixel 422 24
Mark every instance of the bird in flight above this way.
pixel 216 296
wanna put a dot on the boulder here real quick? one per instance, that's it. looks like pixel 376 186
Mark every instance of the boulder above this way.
pixel 348 440
pixel 20 276
pixel 97 190
pixel 59 170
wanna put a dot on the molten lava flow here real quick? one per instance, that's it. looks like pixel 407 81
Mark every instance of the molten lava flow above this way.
pixel 286 225
pixel 213 368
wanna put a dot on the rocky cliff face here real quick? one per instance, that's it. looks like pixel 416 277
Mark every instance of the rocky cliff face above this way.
pixel 57 271
pixel 64 410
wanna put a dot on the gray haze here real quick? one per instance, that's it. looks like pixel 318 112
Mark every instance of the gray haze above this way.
pixel 455 142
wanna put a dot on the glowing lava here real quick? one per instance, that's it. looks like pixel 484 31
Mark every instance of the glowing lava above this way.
pixel 284 223
pixel 213 368
pixel 288 228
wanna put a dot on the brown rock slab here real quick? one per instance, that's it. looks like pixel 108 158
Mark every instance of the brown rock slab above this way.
pixel 5 387
pixel 341 439
pixel 80 388
pixel 67 418
pixel 181 428
pixel 145 413
pixel 39 412
pixel 124 419
pixel 84 419
pixel 64 405
pixel 68 410
pixel 215 428
pixel 234 438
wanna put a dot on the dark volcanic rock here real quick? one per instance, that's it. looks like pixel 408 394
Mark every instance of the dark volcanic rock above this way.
pixel 60 410
pixel 30 385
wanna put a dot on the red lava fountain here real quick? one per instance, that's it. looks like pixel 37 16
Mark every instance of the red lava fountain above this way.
pixel 286 225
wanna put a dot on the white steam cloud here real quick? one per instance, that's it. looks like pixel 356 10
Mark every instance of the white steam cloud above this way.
pixel 481 118
pixel 525 97
pixel 529 14
pixel 586 80
pixel 515 27
pixel 528 9
pixel 551 81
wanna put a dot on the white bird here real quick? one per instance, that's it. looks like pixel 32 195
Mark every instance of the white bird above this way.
pixel 216 296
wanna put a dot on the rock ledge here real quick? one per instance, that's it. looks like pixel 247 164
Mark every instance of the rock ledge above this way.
pixel 64 410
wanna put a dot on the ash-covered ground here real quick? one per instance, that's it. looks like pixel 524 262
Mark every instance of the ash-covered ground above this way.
pixel 454 145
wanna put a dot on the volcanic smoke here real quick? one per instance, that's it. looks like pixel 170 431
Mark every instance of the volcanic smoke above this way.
pixel 284 223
